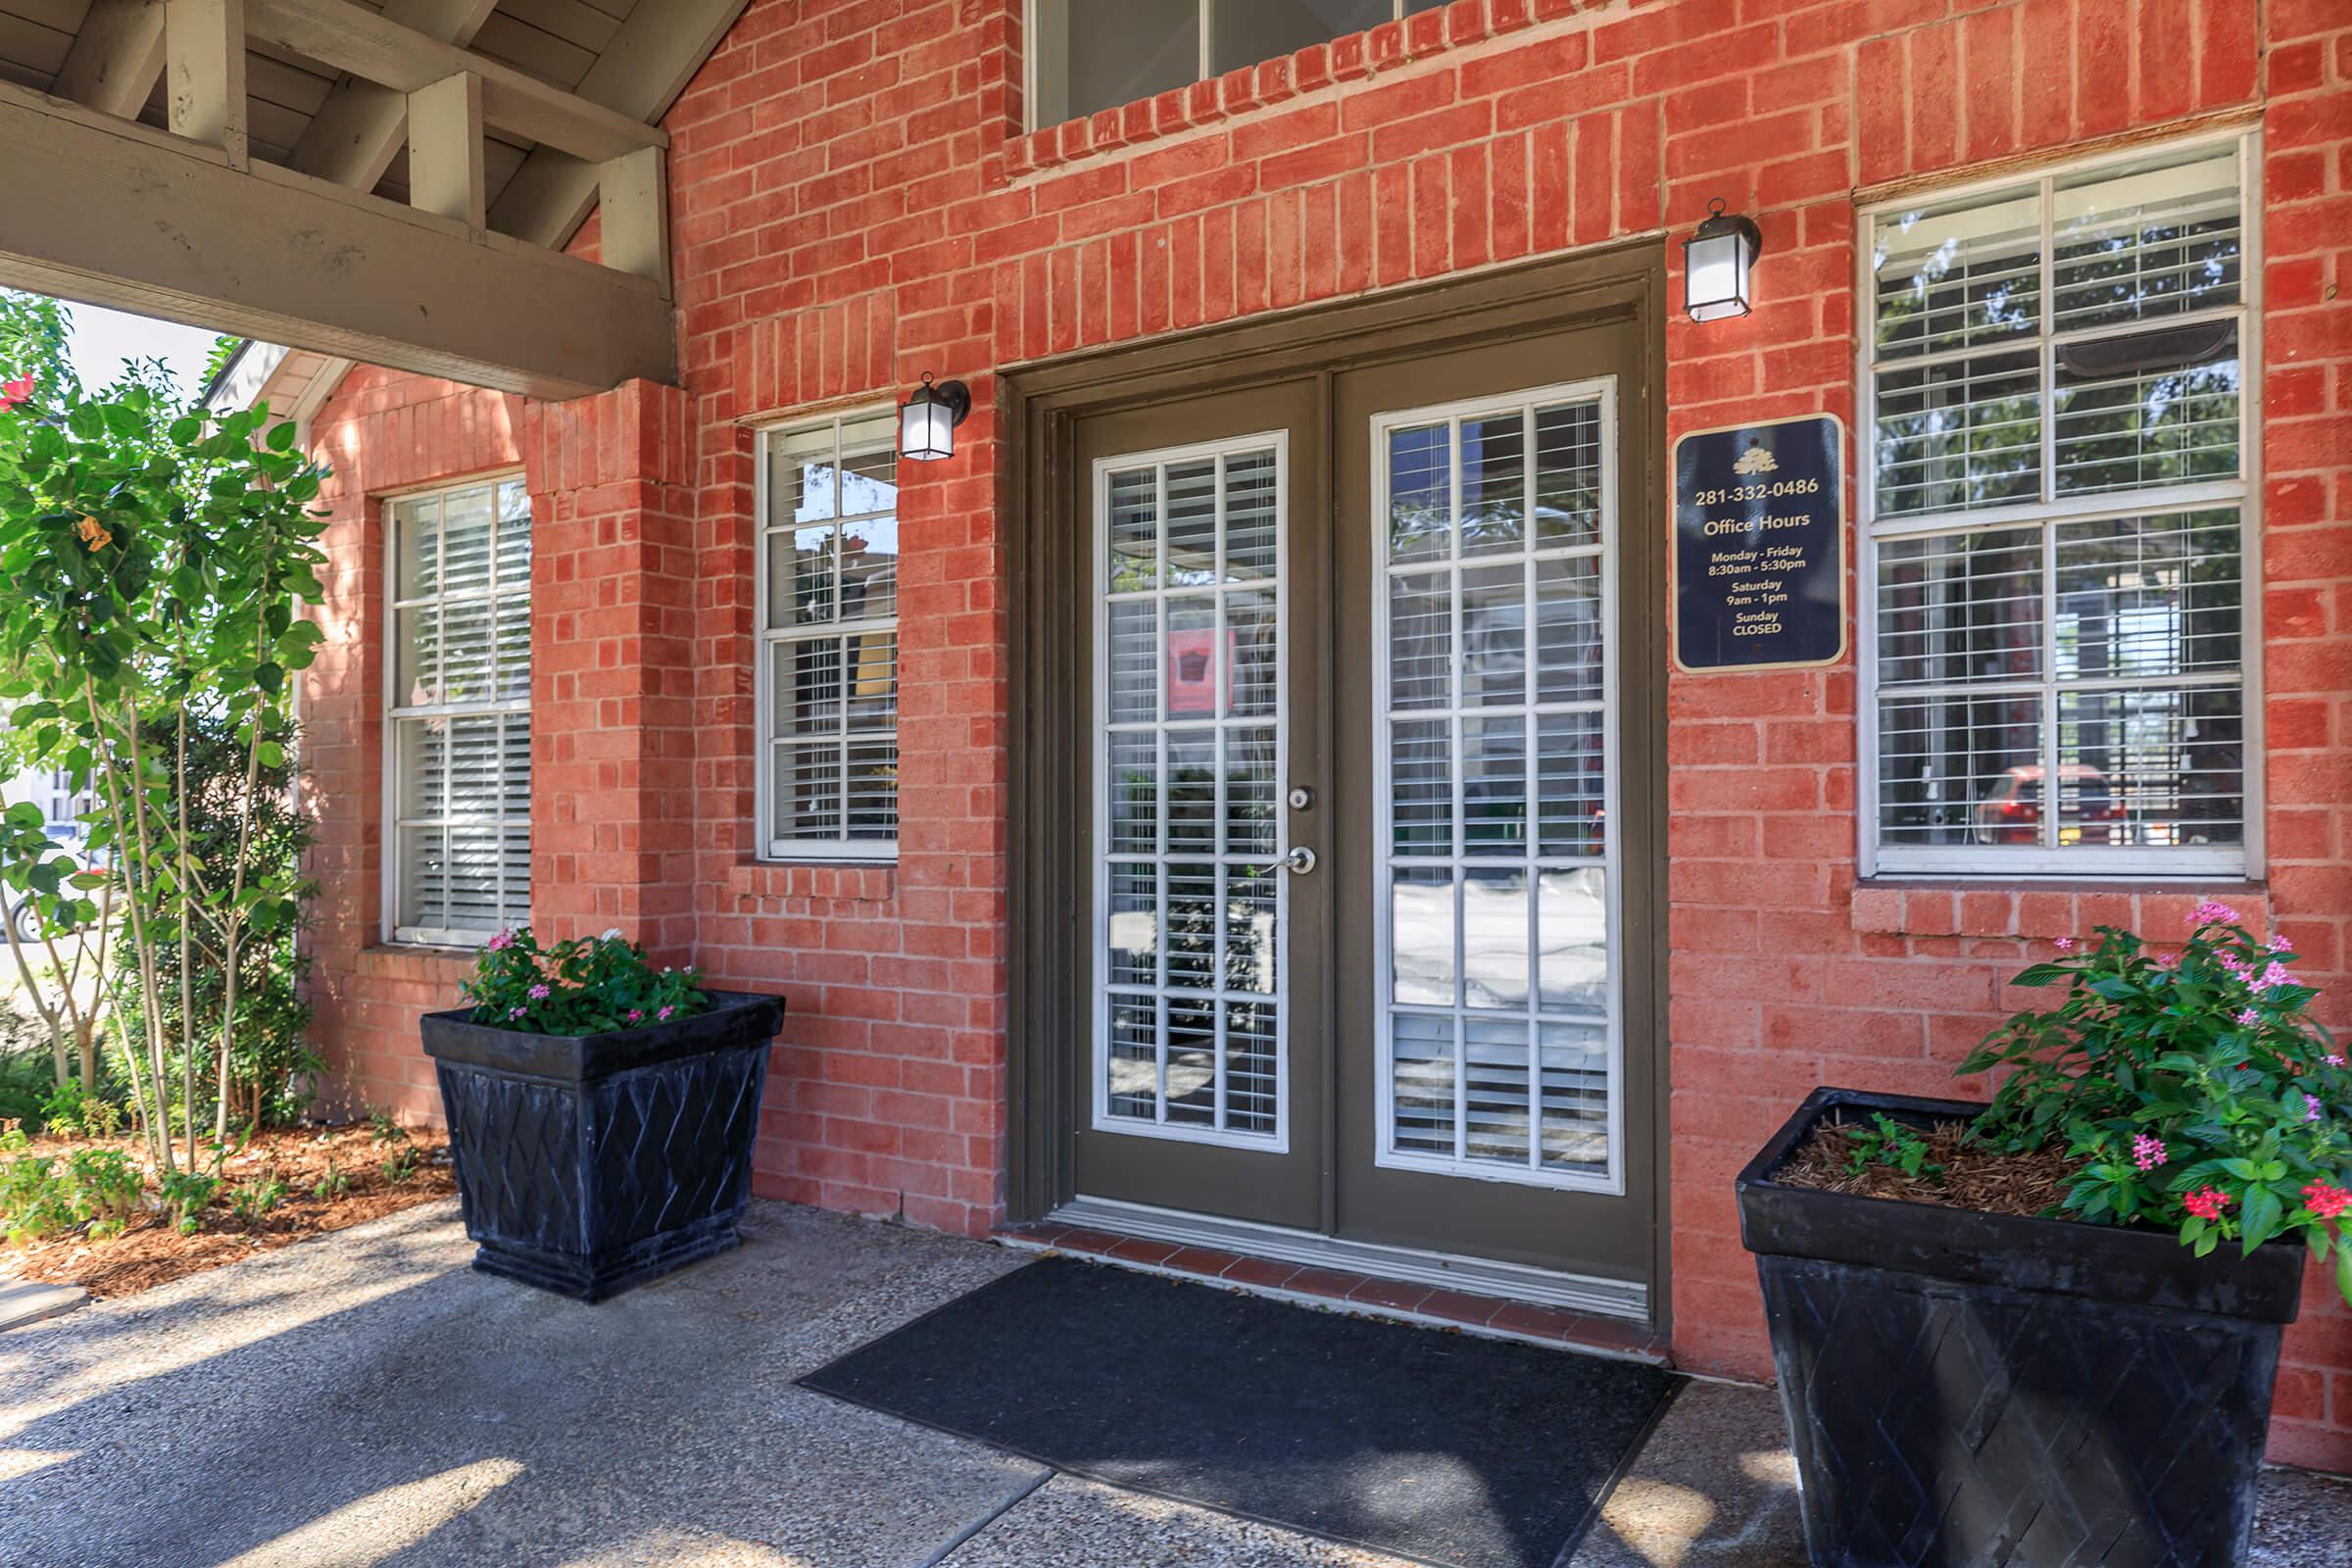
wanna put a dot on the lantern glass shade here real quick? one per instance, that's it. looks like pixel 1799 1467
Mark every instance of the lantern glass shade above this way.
pixel 1717 264
pixel 927 420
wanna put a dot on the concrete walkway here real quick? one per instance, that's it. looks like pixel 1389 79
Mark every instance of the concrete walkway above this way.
pixel 366 1400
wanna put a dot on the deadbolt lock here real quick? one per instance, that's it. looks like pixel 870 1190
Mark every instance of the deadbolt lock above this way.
pixel 1303 799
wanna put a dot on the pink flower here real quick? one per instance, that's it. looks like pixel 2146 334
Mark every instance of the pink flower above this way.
pixel 501 942
pixel 2147 1153
pixel 513 1013
pixel 2311 1107
pixel 2326 1199
pixel 14 394
pixel 2249 1018
pixel 2211 912
pixel 2163 961
pixel 2332 1059
pixel 2237 966
pixel 2279 944
pixel 2064 944
pixel 2276 974
pixel 636 1015
pixel 539 993
pixel 2206 1203
pixel 664 1012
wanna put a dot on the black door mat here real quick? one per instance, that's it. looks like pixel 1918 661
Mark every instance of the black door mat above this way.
pixel 1455 1451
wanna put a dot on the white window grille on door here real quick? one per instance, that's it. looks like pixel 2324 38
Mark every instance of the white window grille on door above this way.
pixel 1190 1024
pixel 1497 821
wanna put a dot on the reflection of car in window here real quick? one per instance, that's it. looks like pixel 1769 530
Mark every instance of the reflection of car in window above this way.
pixel 2089 810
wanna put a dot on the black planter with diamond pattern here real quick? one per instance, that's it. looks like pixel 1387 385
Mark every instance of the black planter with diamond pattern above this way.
pixel 1981 1389
pixel 590 1164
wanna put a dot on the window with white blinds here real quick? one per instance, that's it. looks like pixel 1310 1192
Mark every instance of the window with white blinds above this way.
pixel 458 721
pixel 828 606
pixel 2057 499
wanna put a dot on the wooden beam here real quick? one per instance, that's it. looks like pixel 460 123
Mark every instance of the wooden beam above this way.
pixel 352 139
pixel 445 149
pixel 351 38
pixel 117 58
pixel 204 73
pixel 634 193
pixel 651 59
pixel 166 227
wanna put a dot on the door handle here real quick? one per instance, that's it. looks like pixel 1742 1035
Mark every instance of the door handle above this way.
pixel 1299 860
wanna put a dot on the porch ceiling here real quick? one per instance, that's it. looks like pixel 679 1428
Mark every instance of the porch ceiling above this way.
pixel 306 127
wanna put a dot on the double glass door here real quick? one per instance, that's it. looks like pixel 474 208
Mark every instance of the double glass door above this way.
pixel 1356 812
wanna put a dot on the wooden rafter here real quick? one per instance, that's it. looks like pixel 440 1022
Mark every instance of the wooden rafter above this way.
pixel 168 227
pixel 351 38
pixel 651 59
pixel 115 58
pixel 352 139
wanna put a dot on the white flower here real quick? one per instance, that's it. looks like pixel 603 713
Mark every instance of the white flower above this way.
pixel 611 934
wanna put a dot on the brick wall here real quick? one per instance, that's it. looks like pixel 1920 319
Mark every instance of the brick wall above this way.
pixel 853 205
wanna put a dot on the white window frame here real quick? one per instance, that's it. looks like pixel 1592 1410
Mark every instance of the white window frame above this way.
pixel 2083 861
pixel 1034 53
pixel 1279 1140
pixel 1602 392
pixel 771 849
pixel 395 712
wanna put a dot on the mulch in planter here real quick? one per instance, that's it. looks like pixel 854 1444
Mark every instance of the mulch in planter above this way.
pixel 1974 1176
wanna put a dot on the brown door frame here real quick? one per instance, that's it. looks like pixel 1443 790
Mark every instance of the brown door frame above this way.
pixel 1037 505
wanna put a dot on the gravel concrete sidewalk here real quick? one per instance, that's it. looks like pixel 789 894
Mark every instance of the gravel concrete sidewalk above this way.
pixel 367 1400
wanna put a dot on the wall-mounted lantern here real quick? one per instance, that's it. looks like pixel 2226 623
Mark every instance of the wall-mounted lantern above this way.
pixel 1716 263
pixel 928 418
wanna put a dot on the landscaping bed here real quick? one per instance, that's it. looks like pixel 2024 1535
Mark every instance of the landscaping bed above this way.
pixel 1955 1172
pixel 278 1188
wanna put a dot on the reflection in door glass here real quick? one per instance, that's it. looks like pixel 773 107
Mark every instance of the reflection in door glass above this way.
pixel 1493 673
pixel 1190 891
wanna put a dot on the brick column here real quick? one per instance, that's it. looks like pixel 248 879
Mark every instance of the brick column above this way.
pixel 611 666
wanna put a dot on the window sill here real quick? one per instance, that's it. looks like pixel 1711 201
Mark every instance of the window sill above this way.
pixel 416 960
pixel 1948 906
pixel 861 881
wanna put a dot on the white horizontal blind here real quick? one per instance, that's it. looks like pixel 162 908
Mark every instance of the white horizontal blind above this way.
pixel 2056 500
pixel 1190 1024
pixel 458 717
pixel 828 677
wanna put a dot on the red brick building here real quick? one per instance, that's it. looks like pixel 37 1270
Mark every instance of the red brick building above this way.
pixel 976 760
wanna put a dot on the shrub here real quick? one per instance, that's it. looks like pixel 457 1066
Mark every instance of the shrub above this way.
pixel 2198 1094
pixel 584 986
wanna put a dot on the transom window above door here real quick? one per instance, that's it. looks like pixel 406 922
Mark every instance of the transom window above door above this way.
pixel 2058 496
pixel 1089 54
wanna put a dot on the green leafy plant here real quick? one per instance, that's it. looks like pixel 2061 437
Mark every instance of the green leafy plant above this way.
pixel 156 562
pixel 184 1195
pixel 2195 1093
pixel 400 1168
pixel 583 986
pixel 1888 1142
pixel 250 1200
pixel 383 1129
pixel 331 1186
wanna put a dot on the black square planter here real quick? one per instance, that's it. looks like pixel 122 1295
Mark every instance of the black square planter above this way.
pixel 1997 1392
pixel 589 1163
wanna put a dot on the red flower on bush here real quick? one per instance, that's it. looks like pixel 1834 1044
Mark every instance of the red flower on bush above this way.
pixel 2206 1203
pixel 2326 1199
pixel 17 392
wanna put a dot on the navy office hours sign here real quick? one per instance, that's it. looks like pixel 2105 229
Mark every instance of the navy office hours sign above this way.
pixel 1759 545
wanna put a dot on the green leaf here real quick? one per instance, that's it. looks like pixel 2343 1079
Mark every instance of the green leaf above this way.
pixel 2263 1212
pixel 2041 974
pixel 2343 1272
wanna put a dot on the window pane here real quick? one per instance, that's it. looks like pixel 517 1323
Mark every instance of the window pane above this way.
pixel 2152 767
pixel 1959 608
pixel 1247 31
pixel 873 790
pixel 2145 597
pixel 1958 275
pixel 1094 56
pixel 1423 1085
pixel 807 689
pixel 416 525
pixel 1568 474
pixel 872 697
pixel 513 535
pixel 869 568
pixel 1134 530
pixel 801 477
pixel 467 539
pixel 808 791
pixel 1959 434
pixel 417 669
pixel 799 576
pixel 1575 1089
pixel 1960 770
pixel 1494 635
pixel 1494 483
pixel 2151 237
pixel 2154 409
pixel 869 465
pixel 1420 494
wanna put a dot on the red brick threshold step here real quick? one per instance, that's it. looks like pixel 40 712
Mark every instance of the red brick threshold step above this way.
pixel 1361 1294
